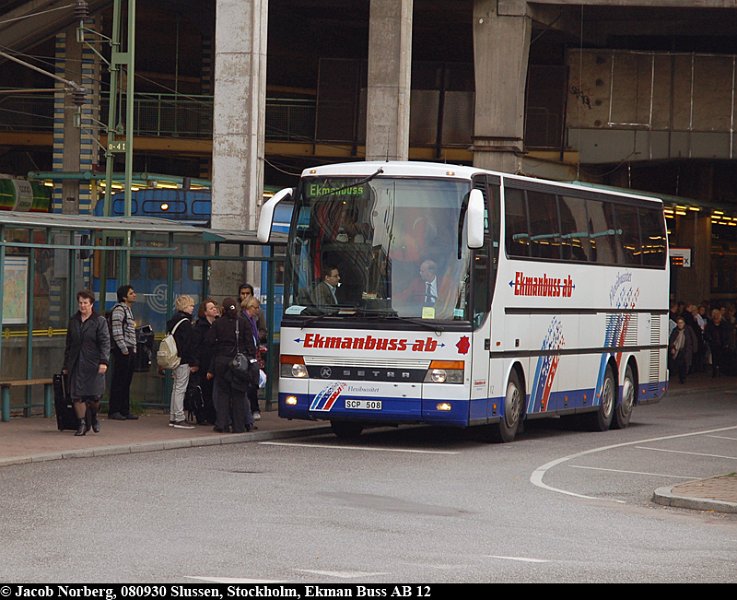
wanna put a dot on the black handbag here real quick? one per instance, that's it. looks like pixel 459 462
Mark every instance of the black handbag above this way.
pixel 242 367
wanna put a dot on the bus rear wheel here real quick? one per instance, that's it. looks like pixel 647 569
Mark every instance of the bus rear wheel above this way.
pixel 623 412
pixel 601 420
pixel 346 430
pixel 509 424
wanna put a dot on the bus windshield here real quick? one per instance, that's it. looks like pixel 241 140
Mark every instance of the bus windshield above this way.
pixel 385 247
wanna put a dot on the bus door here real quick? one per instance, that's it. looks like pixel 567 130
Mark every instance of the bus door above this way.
pixel 484 264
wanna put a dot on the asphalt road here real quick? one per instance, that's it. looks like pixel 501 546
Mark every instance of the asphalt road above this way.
pixel 407 505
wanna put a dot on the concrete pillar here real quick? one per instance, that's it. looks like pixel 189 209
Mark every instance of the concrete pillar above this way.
pixel 389 80
pixel 694 284
pixel 501 40
pixel 239 112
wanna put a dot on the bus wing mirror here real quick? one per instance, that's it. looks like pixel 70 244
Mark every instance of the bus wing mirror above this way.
pixel 266 219
pixel 475 220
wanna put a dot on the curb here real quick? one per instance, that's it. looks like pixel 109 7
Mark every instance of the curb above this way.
pixel 665 497
pixel 235 438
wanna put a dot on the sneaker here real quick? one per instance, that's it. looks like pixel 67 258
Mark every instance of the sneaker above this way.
pixel 182 425
pixel 171 423
pixel 256 416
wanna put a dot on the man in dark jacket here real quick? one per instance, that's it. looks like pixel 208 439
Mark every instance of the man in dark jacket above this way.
pixel 717 334
pixel 181 326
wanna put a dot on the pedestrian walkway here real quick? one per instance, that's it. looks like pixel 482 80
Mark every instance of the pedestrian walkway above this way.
pixel 36 439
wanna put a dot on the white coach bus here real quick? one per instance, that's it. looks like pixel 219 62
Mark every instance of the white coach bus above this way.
pixel 449 295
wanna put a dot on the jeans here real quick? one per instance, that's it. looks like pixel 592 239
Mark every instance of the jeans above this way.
pixel 181 379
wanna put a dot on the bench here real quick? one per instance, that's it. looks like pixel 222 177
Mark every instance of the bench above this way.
pixel 6 385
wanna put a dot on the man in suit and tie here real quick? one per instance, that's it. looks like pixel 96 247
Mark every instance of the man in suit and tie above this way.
pixel 325 291
pixel 422 292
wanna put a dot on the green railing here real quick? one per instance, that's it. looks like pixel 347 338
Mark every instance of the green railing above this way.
pixel 164 115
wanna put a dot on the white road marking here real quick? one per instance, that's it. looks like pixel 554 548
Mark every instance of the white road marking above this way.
pixel 538 474
pixel 341 574
pixel 684 452
pixel 722 437
pixel 363 448
pixel 233 580
pixel 634 472
pixel 520 559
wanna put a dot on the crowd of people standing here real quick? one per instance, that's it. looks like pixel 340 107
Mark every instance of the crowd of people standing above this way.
pixel 702 338
pixel 206 345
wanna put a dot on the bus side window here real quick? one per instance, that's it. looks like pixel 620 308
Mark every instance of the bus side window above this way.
pixel 575 242
pixel 628 238
pixel 516 227
pixel 544 226
pixel 653 237
pixel 602 232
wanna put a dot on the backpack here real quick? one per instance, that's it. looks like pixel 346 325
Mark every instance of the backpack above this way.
pixel 167 356
pixel 194 403
pixel 109 318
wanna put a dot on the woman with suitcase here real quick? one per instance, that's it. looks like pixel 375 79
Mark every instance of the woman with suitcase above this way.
pixel 86 358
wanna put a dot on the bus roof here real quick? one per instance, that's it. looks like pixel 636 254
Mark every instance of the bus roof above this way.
pixel 397 168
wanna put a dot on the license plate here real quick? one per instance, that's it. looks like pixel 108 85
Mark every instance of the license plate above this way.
pixel 363 404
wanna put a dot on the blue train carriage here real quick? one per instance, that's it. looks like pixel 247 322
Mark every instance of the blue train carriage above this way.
pixel 148 275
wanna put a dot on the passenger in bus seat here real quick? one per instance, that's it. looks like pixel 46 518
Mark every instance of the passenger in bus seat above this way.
pixel 423 290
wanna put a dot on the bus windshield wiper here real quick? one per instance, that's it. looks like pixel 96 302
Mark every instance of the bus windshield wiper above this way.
pixel 432 326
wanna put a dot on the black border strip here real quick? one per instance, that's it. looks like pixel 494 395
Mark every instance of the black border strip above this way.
pixel 519 310
pixel 573 351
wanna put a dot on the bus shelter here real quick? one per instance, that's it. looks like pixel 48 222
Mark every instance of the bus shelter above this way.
pixel 45 259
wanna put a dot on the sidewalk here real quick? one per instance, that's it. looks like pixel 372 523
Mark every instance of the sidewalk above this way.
pixel 36 439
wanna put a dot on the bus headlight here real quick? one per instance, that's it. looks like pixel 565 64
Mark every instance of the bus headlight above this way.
pixel 293 366
pixel 445 371
pixel 299 371
pixel 290 401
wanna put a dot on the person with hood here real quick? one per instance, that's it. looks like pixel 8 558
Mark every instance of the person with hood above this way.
pixel 188 363
pixel 86 359
pixel 228 336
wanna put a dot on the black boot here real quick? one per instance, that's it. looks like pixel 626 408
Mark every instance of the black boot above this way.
pixel 82 427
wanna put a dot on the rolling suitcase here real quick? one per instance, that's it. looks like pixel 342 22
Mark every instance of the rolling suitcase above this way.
pixel 63 406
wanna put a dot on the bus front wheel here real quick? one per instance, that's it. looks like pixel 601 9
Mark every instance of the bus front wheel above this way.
pixel 509 424
pixel 346 430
